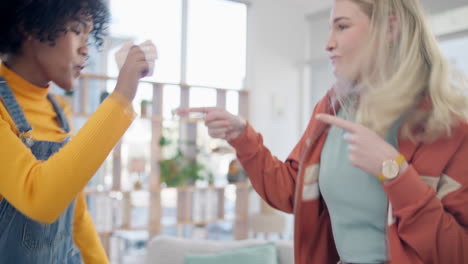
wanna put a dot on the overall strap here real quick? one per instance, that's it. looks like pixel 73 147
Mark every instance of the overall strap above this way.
pixel 61 117
pixel 13 108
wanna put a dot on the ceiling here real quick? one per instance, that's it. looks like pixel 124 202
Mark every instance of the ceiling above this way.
pixel 433 6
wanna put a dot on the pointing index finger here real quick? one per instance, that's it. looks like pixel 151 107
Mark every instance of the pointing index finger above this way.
pixel 203 110
pixel 339 122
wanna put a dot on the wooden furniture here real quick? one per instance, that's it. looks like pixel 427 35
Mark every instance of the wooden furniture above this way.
pixel 118 200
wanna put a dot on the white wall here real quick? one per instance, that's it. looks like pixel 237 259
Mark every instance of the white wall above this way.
pixel 276 46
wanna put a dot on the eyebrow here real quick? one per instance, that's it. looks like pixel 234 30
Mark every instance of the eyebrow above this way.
pixel 85 25
pixel 339 19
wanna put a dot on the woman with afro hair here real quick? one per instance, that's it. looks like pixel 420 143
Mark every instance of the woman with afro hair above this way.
pixel 43 214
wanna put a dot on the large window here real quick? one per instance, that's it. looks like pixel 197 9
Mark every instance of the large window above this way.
pixel 158 20
pixel 216 43
pixel 201 46
pixel 200 42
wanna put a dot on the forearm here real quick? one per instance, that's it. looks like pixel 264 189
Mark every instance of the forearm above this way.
pixel 273 179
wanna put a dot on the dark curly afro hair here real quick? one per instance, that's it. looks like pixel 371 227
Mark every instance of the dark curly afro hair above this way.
pixel 46 20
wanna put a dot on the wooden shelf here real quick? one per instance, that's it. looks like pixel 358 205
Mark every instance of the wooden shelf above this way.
pixel 157 119
pixel 107 192
pixel 91 76
pixel 112 231
pixel 182 188
pixel 175 225
pixel 155 210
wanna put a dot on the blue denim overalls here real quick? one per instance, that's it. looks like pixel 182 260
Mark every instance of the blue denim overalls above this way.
pixel 23 240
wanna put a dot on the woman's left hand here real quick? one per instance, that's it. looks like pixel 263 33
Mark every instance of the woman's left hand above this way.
pixel 367 150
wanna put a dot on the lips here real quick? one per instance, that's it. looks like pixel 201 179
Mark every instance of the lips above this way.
pixel 334 59
pixel 78 69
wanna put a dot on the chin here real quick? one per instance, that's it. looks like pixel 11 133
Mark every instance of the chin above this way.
pixel 344 76
pixel 67 85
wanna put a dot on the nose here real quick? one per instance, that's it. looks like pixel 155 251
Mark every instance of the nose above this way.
pixel 83 51
pixel 331 43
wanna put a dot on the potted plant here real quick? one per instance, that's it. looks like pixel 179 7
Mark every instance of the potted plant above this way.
pixel 178 170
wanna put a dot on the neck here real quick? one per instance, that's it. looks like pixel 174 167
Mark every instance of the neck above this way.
pixel 26 67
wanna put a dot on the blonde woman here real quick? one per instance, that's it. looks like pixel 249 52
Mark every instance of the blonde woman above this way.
pixel 380 175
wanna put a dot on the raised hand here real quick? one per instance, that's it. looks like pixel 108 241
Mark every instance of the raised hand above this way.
pixel 139 62
pixel 220 123
pixel 367 150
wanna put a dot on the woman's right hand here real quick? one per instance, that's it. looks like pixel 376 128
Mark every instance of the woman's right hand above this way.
pixel 135 67
pixel 220 123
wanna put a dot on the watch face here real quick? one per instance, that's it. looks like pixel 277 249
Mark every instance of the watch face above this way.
pixel 390 169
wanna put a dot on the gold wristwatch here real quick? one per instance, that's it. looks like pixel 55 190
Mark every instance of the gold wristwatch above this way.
pixel 391 168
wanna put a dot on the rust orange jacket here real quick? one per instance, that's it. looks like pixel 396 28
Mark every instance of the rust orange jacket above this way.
pixel 428 203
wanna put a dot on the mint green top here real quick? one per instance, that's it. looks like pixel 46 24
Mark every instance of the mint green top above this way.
pixel 356 202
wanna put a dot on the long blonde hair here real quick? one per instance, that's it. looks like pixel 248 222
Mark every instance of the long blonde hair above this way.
pixel 402 73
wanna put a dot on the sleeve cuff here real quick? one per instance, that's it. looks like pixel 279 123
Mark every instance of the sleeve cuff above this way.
pixel 247 143
pixel 124 103
pixel 407 190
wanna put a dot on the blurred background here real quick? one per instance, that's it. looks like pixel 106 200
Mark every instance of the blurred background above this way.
pixel 262 59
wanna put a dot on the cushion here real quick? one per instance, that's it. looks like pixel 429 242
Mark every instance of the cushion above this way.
pixel 171 250
pixel 264 253
pixel 285 251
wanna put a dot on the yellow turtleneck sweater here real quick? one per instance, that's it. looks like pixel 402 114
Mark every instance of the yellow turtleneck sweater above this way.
pixel 42 190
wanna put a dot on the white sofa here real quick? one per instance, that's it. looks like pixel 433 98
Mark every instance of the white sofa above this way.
pixel 171 250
